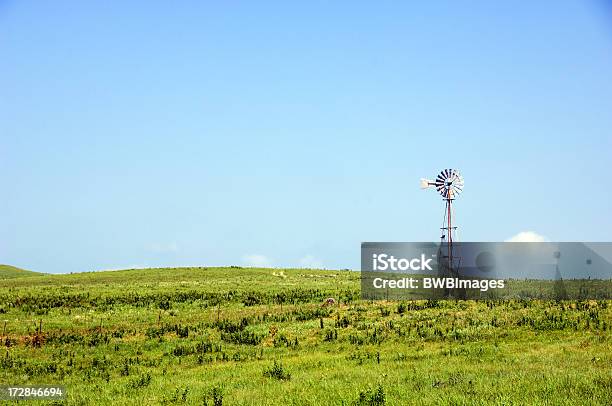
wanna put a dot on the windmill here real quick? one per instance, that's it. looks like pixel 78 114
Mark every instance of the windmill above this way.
pixel 449 183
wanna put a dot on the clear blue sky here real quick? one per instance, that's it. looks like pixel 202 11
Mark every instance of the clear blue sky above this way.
pixel 220 133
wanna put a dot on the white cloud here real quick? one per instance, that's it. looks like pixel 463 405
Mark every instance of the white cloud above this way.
pixel 527 236
pixel 257 260
pixel 164 248
pixel 310 262
pixel 122 267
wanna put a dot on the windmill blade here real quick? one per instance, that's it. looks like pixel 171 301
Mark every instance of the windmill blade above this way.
pixel 449 183
pixel 457 178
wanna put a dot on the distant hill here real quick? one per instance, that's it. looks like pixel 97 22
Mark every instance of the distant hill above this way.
pixel 8 271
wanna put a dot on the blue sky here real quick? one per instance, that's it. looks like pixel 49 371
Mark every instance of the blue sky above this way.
pixel 220 133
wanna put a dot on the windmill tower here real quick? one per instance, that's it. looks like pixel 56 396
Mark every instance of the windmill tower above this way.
pixel 449 183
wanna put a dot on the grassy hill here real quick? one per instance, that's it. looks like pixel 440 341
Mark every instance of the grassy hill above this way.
pixel 262 336
pixel 8 271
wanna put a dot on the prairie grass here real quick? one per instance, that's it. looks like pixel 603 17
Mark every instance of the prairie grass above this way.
pixel 249 337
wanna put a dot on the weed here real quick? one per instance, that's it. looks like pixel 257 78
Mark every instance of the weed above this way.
pixel 277 371
pixel 140 381
pixel 371 397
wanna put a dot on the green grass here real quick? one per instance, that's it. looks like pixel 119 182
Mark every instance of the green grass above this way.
pixel 8 271
pixel 261 336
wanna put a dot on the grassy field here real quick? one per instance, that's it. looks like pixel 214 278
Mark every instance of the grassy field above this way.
pixel 8 271
pixel 262 336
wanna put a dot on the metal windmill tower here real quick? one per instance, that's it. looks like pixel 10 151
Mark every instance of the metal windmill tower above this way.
pixel 449 183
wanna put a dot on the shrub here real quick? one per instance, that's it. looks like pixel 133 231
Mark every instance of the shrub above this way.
pixel 343 322
pixel 282 340
pixel 228 326
pixel 253 298
pixel 182 332
pixel 331 335
pixel 371 397
pixel 310 314
pixel 277 372
pixel 242 337
pixel 181 350
pixel 216 395
pixel 140 382
pixel 125 369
